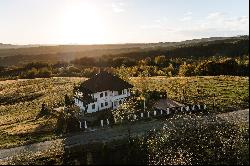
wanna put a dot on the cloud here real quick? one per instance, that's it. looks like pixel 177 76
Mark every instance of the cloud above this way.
pixel 187 16
pixel 244 19
pixel 118 7
pixel 214 24
pixel 215 15
pixel 161 20
pixel 188 13
pixel 217 24
pixel 158 21
pixel 220 20
pixel 157 24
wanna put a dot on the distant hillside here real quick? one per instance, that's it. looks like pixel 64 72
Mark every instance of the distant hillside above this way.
pixel 197 48
pixel 31 53
pixel 11 46
pixel 11 50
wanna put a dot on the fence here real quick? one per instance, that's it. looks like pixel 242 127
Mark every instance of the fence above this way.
pixel 149 114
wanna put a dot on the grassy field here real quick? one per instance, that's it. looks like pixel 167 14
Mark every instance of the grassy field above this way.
pixel 21 100
pixel 227 93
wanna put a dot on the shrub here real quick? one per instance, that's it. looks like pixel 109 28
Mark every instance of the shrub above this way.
pixel 195 140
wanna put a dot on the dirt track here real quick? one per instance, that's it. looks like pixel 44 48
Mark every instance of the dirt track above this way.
pixel 107 134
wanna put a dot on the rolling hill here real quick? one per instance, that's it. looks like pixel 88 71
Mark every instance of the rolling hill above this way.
pixel 16 55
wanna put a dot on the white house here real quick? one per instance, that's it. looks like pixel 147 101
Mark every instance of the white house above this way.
pixel 102 91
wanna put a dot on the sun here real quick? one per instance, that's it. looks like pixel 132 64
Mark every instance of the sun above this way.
pixel 82 23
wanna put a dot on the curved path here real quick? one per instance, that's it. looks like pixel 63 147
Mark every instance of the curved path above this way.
pixel 107 134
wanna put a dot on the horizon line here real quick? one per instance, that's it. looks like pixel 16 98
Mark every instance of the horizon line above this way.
pixel 119 43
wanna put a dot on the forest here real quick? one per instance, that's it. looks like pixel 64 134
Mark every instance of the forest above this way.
pixel 204 58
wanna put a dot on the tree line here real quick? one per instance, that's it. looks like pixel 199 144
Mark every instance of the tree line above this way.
pixel 223 57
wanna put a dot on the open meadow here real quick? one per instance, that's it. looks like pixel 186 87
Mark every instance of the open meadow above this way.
pixel 20 103
pixel 225 92
pixel 21 100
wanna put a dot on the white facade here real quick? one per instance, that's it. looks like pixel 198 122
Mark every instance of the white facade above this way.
pixel 103 100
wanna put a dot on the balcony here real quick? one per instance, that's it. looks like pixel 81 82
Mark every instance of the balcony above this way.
pixel 113 98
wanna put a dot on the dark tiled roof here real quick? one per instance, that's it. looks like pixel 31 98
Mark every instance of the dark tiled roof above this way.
pixel 102 82
pixel 167 103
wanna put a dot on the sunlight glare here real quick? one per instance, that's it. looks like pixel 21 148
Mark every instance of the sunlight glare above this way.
pixel 81 23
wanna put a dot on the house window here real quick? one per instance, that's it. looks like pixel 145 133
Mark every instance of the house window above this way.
pixel 101 95
pixel 93 106
pixel 120 102
pixel 115 103
pixel 119 92
pixel 115 93
pixel 106 103
pixel 106 93
pixel 101 104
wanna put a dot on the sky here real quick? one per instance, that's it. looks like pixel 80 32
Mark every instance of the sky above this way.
pixel 120 21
